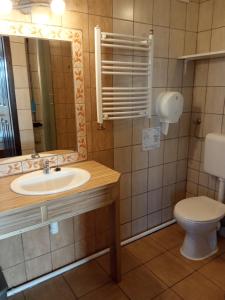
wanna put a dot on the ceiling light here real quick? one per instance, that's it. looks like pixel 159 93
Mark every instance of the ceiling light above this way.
pixel 58 7
pixel 6 7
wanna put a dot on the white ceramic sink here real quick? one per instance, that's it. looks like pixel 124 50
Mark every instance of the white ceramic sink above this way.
pixel 38 183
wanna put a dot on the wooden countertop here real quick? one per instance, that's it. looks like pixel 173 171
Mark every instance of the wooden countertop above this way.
pixel 100 176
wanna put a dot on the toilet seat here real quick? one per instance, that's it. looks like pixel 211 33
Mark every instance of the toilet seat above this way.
pixel 199 209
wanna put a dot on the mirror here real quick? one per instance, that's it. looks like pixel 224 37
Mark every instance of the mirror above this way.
pixel 37 101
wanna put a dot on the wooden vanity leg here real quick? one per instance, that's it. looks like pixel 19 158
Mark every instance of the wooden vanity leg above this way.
pixel 115 249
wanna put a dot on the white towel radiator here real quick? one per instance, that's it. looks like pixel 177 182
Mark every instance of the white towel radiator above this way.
pixel 114 103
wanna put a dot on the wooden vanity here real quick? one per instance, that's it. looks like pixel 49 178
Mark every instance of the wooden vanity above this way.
pixel 19 213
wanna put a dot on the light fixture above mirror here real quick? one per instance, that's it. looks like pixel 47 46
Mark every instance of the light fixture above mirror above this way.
pixel 57 7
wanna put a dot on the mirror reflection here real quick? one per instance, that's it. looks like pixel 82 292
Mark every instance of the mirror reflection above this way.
pixel 37 110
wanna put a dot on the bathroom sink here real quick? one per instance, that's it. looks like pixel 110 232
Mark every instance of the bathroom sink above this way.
pixel 38 183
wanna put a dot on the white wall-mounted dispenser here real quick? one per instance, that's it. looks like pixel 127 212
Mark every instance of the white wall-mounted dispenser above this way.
pixel 169 107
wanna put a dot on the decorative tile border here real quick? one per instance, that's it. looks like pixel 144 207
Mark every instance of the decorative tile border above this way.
pixel 35 164
pixel 64 34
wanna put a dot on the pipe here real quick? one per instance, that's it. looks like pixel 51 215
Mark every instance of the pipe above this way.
pixel 221 191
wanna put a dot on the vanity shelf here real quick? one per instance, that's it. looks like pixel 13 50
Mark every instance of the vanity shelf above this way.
pixel 200 56
pixel 19 213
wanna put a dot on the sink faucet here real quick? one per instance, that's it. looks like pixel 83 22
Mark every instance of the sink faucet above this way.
pixel 35 155
pixel 46 167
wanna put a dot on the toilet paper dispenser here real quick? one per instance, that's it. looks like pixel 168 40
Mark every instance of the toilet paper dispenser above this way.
pixel 169 107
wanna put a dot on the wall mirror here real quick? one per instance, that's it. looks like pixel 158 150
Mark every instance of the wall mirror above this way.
pixel 41 90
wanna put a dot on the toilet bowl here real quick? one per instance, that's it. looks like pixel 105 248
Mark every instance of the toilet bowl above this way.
pixel 199 217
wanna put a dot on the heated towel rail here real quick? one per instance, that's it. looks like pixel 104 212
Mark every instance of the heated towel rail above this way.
pixel 118 102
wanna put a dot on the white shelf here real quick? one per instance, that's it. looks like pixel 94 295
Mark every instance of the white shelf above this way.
pixel 203 55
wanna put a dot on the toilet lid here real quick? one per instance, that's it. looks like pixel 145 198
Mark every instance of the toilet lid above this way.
pixel 199 209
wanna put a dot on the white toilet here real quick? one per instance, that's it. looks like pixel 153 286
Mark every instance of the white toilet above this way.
pixel 200 216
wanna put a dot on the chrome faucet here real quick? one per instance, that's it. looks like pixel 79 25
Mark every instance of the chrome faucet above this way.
pixel 46 167
pixel 35 155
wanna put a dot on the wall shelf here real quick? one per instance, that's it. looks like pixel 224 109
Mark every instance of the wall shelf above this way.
pixel 206 55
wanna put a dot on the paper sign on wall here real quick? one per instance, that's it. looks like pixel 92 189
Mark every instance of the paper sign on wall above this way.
pixel 150 138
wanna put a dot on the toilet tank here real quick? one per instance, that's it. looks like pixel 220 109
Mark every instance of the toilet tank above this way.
pixel 214 158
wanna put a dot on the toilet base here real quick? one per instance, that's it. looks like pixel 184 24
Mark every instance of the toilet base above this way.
pixel 198 246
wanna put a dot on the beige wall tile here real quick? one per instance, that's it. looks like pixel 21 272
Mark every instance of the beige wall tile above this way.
pixel 85 247
pixel 212 124
pixel 63 256
pixel 125 210
pixel 216 72
pixel 15 275
pixel 161 41
pixel 139 182
pixel 155 178
pixel 169 196
pixel 122 159
pixel 176 46
pixel 192 16
pixel 218 14
pixel 217 41
pixel 205 15
pixel 123 9
pixel 11 252
pixel 178 14
pixel 170 150
pixel 215 100
pixel 160 72
pixel 190 43
pixel 154 201
pixel 201 73
pixel 204 41
pixel 161 13
pixel 184 129
pixel 169 173
pixel 64 237
pixel 175 71
pixel 122 132
pixel 154 219
pixel 139 206
pixel 139 225
pixel 188 97
pixel 125 231
pixel 181 170
pixel 143 10
pixel 36 242
pixel 139 158
pixel 183 147
pixel 199 98
pixel 97 7
pixel 38 266
pixel 125 185
pixel 138 125
pixel 83 226
pixel 156 156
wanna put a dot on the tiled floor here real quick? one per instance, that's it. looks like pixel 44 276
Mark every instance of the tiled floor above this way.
pixel 152 269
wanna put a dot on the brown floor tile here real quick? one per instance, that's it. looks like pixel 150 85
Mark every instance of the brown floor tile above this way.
pixel 56 289
pixel 169 268
pixel 109 291
pixel 169 237
pixel 197 287
pixel 215 271
pixel 145 249
pixel 141 284
pixel 194 264
pixel 129 261
pixel 86 278
pixel 168 295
